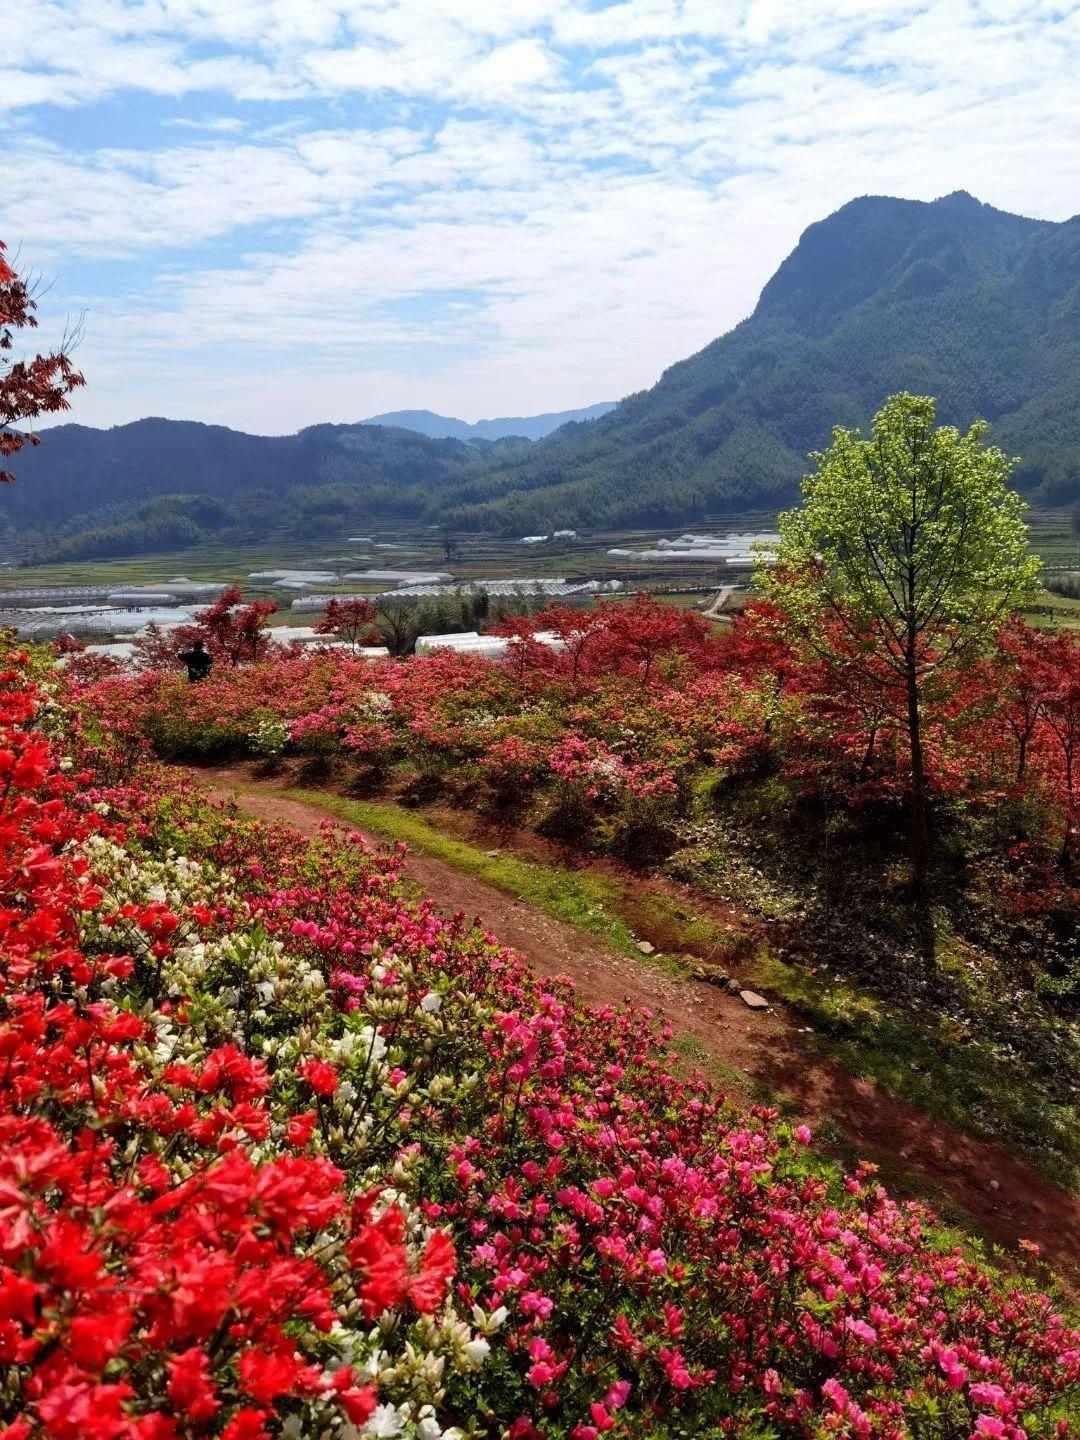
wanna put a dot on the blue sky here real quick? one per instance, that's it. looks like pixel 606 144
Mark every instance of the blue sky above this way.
pixel 276 212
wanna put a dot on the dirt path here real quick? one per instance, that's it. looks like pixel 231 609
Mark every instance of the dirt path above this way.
pixel 1005 1198
pixel 720 599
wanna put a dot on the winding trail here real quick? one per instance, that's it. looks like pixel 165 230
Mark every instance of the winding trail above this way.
pixel 1004 1197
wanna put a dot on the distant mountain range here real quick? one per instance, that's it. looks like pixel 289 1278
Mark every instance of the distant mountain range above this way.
pixel 157 485
pixel 529 427
pixel 950 298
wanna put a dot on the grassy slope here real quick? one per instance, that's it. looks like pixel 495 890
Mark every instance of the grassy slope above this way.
pixel 967 1086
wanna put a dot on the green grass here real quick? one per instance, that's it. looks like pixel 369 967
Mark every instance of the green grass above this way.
pixel 966 1085
pixel 587 902
pixel 726 1078
pixel 1053 612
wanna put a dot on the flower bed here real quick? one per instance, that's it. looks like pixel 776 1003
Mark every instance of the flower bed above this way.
pixel 285 1154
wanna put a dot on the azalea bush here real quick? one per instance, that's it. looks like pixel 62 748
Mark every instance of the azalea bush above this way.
pixel 284 1153
pixel 512 767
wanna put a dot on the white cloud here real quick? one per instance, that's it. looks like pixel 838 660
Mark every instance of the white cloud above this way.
pixel 609 187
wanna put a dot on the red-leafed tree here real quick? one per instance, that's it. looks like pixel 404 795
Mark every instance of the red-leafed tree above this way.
pixel 157 649
pixel 636 634
pixel 758 648
pixel 1062 712
pixel 235 631
pixel 577 629
pixel 28 388
pixel 352 620
pixel 1025 675
pixel 524 655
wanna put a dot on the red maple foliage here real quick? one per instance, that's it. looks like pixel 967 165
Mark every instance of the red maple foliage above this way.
pixel 28 388
pixel 351 620
pixel 232 630
pixel 635 634
pixel 577 629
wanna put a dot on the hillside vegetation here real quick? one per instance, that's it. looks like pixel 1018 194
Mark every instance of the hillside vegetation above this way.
pixel 287 1154
pixel 754 770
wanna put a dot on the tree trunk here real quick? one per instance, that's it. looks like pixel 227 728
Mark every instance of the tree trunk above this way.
pixel 920 829
pixel 864 768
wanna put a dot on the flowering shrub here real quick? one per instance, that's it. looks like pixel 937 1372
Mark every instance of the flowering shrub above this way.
pixel 286 1154
pixel 512 766
pixel 178 1251
pixel 638 689
pixel 634 749
pixel 269 737
pixel 319 733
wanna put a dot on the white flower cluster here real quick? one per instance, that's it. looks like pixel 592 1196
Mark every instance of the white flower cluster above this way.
pixel 269 737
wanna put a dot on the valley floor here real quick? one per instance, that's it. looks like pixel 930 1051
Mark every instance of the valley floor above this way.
pixel 754 1054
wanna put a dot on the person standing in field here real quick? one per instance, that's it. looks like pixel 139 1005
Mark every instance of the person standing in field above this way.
pixel 198 661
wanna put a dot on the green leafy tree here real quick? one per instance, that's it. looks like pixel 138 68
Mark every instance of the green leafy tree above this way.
pixel 909 551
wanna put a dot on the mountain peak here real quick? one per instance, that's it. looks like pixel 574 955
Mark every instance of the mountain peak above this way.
pixel 878 245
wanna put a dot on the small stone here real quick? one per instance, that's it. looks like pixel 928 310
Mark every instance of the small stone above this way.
pixel 646 948
pixel 752 1000
pixel 710 977
pixel 491 854
pixel 995 1184
pixel 734 987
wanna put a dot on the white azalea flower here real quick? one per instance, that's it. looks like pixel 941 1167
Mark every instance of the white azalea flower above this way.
pixel 384 1424
pixel 477 1351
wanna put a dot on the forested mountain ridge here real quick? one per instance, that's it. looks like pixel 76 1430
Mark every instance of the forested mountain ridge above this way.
pixel 950 298
pixel 162 484
pixel 78 469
